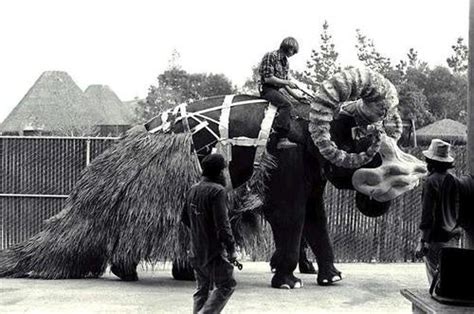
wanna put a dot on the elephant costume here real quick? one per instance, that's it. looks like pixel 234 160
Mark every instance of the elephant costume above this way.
pixel 125 207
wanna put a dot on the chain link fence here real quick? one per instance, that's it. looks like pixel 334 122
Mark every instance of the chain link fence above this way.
pixel 37 175
pixel 39 172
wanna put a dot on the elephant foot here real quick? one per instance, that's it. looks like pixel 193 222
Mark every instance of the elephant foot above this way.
pixel 306 268
pixel 326 278
pixel 123 273
pixel 288 281
pixel 181 271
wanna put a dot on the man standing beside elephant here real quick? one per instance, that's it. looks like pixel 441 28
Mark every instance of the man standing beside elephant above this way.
pixel 274 79
pixel 205 213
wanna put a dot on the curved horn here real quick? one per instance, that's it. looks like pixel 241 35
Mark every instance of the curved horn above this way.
pixel 352 84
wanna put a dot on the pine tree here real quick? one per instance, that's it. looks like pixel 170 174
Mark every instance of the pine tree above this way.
pixel 323 63
pixel 370 57
pixel 458 62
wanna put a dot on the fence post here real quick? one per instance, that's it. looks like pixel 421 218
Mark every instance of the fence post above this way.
pixel 88 152
pixel 470 110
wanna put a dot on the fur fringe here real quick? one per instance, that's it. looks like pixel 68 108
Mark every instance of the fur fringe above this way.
pixel 247 201
pixel 126 207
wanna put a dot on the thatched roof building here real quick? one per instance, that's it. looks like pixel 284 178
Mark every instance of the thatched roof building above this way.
pixel 56 105
pixel 115 116
pixel 448 130
pixel 112 110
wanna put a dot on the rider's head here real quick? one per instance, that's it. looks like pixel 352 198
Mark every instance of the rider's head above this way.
pixel 289 46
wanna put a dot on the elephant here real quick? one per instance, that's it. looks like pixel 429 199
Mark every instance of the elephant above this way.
pixel 293 201
pixel 126 206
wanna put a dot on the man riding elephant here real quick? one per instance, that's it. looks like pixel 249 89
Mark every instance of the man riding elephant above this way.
pixel 273 71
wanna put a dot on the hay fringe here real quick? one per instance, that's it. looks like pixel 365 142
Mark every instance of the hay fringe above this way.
pixel 247 200
pixel 125 208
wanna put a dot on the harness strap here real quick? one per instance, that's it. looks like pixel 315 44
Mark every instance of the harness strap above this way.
pixel 244 141
pixel 238 103
pixel 222 146
pixel 182 111
pixel 199 127
pixel 265 129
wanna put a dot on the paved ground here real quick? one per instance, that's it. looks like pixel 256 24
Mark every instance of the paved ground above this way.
pixel 366 288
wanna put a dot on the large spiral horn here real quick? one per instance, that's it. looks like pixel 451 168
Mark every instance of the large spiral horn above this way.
pixel 378 95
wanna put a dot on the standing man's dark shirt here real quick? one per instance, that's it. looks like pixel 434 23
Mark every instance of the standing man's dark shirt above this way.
pixel 438 217
pixel 206 215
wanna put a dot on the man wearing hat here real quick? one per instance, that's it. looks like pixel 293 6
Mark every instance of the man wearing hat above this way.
pixel 439 219
pixel 206 214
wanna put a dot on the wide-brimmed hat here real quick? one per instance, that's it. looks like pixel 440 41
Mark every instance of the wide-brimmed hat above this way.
pixel 439 150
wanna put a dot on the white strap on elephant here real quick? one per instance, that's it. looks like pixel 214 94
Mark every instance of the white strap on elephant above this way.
pixel 224 142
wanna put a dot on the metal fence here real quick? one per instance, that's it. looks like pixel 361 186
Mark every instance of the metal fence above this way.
pixel 37 173
pixel 390 238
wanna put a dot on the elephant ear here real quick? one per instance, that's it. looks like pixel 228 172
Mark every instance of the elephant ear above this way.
pixel 379 97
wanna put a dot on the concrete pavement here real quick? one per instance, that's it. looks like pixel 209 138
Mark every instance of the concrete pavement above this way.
pixel 366 288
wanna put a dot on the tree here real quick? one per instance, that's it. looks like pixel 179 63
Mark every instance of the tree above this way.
pixel 446 93
pixel 251 84
pixel 458 62
pixel 176 86
pixel 369 55
pixel 413 104
pixel 410 77
pixel 323 63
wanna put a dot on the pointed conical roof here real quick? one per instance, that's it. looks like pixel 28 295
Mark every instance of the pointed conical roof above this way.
pixel 54 103
pixel 111 109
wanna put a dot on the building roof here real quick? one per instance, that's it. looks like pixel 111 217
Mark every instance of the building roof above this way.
pixel 56 104
pixel 445 129
pixel 112 110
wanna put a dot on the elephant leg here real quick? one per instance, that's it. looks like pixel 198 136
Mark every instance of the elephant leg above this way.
pixel 284 260
pixel 317 235
pixel 123 265
pixel 182 270
pixel 305 266
pixel 125 270
pixel 285 209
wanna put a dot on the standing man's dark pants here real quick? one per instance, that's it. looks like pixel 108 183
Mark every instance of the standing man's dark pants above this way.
pixel 218 272
pixel 283 119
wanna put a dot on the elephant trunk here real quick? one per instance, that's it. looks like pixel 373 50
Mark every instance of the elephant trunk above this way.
pixel 379 98
pixel 399 173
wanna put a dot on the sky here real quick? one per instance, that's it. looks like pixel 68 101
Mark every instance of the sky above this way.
pixel 127 44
